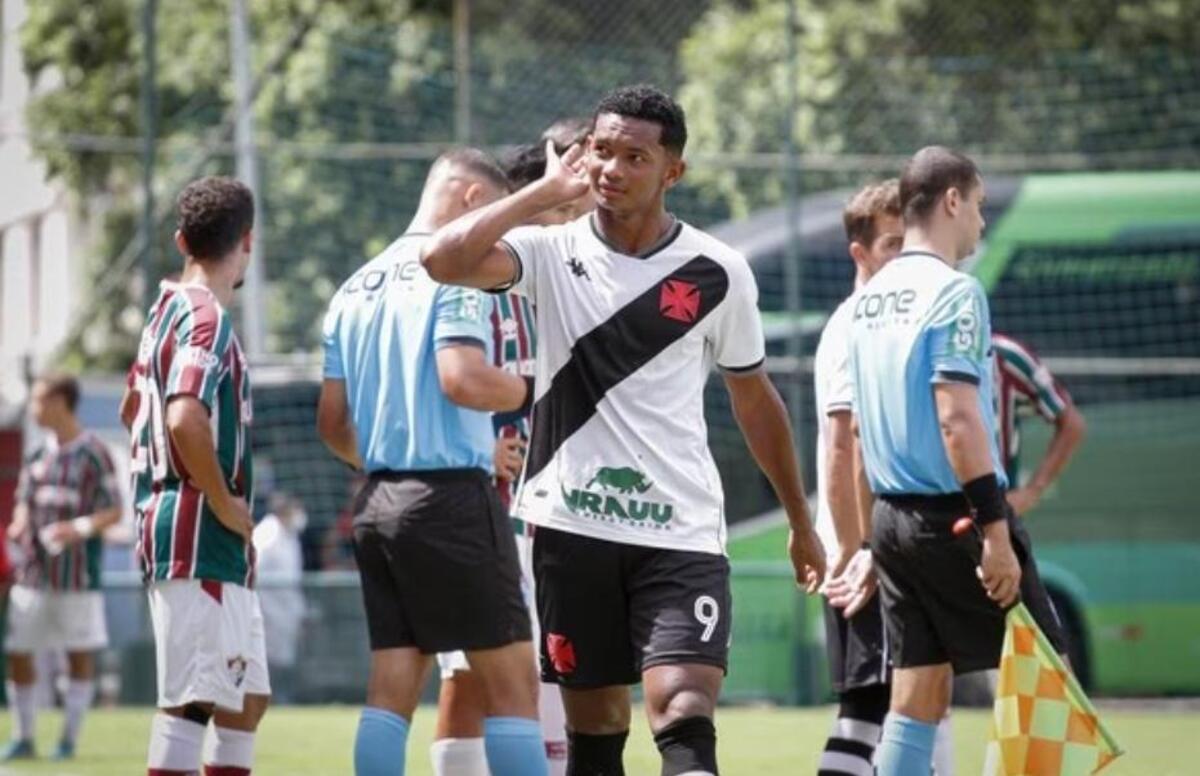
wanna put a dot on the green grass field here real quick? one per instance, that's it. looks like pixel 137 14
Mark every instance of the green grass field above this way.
pixel 753 741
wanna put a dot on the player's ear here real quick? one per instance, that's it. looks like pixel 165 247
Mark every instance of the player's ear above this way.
pixel 473 197
pixel 247 240
pixel 676 167
pixel 952 201
pixel 181 243
pixel 858 252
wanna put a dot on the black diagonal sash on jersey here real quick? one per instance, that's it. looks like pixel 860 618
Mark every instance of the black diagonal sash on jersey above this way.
pixel 617 348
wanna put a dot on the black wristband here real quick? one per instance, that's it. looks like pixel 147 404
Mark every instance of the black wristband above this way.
pixel 987 499
pixel 526 405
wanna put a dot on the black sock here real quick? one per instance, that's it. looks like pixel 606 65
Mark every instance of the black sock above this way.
pixel 688 745
pixel 851 743
pixel 589 755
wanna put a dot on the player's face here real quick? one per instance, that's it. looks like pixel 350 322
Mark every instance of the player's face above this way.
pixel 629 168
pixel 889 238
pixel 45 406
pixel 971 220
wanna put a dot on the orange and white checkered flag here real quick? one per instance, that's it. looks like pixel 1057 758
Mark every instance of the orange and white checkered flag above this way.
pixel 1042 723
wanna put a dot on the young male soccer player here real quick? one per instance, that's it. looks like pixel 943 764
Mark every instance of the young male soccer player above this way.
pixel 190 412
pixel 407 386
pixel 66 496
pixel 921 369
pixel 633 309
pixel 858 657
pixel 458 747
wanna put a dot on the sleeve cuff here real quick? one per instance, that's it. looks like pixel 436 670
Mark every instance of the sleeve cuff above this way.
pixel 954 376
pixel 740 370
pixel 460 339
pixel 518 270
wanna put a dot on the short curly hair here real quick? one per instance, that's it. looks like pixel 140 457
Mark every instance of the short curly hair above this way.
pixel 213 214
pixel 648 103
pixel 871 201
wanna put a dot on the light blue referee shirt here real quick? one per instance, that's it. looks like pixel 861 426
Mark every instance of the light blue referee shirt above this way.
pixel 380 335
pixel 917 323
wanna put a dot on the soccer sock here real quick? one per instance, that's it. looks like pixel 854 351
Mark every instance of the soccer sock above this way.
pixel 175 746
pixel 458 757
pixel 24 706
pixel 380 743
pixel 907 747
pixel 231 753
pixel 76 703
pixel 589 755
pixel 515 746
pixel 851 743
pixel 688 747
pixel 943 749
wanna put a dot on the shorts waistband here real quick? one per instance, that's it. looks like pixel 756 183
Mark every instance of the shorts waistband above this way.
pixel 932 502
pixel 430 475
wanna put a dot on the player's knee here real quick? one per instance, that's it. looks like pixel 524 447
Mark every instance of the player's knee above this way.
pixel 680 694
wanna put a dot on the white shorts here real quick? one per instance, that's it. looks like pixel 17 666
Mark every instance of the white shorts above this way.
pixel 449 662
pixel 49 619
pixel 208 643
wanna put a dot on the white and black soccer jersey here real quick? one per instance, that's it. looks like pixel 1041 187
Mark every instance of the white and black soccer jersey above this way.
pixel 834 392
pixel 619 447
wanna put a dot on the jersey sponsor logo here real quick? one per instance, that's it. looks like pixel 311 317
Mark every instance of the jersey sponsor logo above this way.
pixel 609 497
pixel 679 300
pixel 561 652
pixel 201 357
pixel 871 306
pixel 965 338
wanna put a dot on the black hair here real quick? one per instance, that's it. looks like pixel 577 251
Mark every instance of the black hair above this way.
pixel 648 103
pixel 928 175
pixel 525 165
pixel 479 163
pixel 213 214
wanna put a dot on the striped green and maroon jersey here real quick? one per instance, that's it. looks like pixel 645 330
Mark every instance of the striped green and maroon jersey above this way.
pixel 1023 386
pixel 514 345
pixel 188 348
pixel 59 483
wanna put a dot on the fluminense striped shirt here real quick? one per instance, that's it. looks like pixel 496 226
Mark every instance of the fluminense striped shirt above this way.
pixel 59 483
pixel 514 344
pixel 188 348
pixel 1023 386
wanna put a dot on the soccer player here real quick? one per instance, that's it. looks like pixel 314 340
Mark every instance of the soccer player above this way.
pixel 858 658
pixel 458 746
pixel 66 496
pixel 921 371
pixel 189 413
pixel 633 309
pixel 1024 386
pixel 407 386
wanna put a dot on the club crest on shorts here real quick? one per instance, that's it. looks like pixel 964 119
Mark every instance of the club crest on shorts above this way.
pixel 237 669
pixel 679 300
pixel 561 653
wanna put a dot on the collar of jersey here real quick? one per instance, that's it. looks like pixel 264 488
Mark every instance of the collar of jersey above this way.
pixel 904 254
pixel 664 241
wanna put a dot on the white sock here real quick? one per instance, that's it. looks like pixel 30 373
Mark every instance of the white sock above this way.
pixel 23 699
pixel 943 748
pixel 554 727
pixel 229 747
pixel 76 703
pixel 458 757
pixel 175 743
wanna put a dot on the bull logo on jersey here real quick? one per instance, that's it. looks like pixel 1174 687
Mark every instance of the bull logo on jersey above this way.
pixel 624 480
pixel 603 498
pixel 679 300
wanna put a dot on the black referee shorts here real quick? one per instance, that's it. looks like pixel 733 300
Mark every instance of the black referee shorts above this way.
pixel 934 606
pixel 438 562
pixel 857 647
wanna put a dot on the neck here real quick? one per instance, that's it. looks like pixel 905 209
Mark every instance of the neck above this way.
pixel 920 238
pixel 67 431
pixel 634 233
pixel 861 276
pixel 216 276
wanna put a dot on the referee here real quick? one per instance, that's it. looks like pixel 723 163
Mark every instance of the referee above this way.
pixel 407 386
pixel 922 371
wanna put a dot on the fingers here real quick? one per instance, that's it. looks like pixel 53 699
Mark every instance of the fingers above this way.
pixel 572 156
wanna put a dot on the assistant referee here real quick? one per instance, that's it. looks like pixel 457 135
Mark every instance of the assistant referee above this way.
pixel 920 358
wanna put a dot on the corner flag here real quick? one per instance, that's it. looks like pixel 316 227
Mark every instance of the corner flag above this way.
pixel 1042 723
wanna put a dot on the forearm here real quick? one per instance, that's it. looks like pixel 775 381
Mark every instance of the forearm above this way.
pixel 1067 435
pixel 458 249
pixel 864 498
pixel 103 518
pixel 489 389
pixel 193 441
pixel 765 425
pixel 840 493
pixel 966 442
